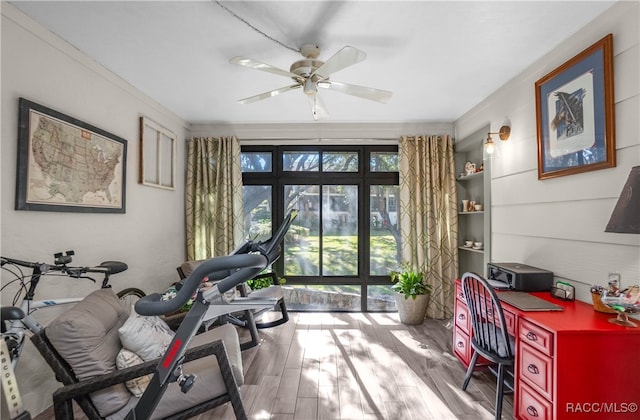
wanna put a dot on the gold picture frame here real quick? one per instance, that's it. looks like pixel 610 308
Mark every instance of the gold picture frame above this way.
pixel 575 114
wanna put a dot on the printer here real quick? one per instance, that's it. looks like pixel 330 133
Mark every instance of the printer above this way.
pixel 517 276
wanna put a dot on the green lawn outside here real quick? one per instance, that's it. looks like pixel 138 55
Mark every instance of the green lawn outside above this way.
pixel 340 255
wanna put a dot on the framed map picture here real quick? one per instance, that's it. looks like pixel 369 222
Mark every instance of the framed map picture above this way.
pixel 67 165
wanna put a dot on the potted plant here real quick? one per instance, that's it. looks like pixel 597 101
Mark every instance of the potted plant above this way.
pixel 264 280
pixel 412 295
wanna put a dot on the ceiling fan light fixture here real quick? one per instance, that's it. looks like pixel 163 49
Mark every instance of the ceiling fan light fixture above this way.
pixel 305 67
pixel 310 73
pixel 310 87
pixel 310 51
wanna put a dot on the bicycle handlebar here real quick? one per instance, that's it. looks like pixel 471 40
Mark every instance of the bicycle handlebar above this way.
pixel 106 267
pixel 231 270
pixel 27 264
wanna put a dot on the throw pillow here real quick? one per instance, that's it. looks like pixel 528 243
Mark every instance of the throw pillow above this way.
pixel 86 337
pixel 127 359
pixel 147 336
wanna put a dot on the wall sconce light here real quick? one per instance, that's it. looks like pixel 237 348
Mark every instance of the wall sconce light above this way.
pixel 503 134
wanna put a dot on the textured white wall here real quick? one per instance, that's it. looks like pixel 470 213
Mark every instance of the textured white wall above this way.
pixel 149 237
pixel 558 224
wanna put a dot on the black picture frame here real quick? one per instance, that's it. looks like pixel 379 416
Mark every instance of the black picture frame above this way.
pixel 575 114
pixel 67 165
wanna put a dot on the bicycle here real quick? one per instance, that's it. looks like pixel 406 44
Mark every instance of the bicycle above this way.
pixel 18 320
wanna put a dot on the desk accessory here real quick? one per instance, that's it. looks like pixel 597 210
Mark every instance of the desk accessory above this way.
pixel 596 298
pixel 563 290
pixel 527 302
pixel 624 303
pixel 521 277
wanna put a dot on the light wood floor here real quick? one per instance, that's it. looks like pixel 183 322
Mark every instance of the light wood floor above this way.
pixel 358 366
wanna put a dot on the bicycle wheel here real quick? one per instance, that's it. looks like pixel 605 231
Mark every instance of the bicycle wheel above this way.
pixel 130 296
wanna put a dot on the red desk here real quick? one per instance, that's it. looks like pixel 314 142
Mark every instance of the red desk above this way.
pixel 573 364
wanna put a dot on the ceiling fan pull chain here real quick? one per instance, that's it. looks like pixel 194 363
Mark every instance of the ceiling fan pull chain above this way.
pixel 254 28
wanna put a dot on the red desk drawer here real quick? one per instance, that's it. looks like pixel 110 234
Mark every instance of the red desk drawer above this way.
pixel 459 292
pixel 537 337
pixel 462 346
pixel 510 320
pixel 536 369
pixel 462 317
pixel 532 406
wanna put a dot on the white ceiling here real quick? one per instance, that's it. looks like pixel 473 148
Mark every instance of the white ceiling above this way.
pixel 438 58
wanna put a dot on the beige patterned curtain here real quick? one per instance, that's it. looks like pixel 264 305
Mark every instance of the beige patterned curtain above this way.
pixel 428 215
pixel 213 201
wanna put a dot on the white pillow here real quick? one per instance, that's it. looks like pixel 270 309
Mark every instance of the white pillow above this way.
pixel 147 336
pixel 125 359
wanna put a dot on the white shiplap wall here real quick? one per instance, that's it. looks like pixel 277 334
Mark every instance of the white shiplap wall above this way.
pixel 558 224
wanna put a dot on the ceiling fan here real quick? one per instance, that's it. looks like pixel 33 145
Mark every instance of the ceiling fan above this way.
pixel 311 74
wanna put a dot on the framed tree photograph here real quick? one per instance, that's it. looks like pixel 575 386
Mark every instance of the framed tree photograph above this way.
pixel 67 165
pixel 575 114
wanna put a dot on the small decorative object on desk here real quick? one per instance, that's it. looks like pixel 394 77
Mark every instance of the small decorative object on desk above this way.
pixel 624 302
pixel 563 290
pixel 596 297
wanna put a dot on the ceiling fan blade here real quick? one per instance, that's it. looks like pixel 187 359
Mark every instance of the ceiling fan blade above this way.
pixel 318 109
pixel 271 93
pixel 258 65
pixel 346 57
pixel 360 91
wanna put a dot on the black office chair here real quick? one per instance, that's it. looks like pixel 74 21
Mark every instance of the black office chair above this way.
pixel 490 338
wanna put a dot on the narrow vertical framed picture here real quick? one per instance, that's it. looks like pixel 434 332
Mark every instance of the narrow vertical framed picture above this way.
pixel 67 165
pixel 157 155
pixel 575 114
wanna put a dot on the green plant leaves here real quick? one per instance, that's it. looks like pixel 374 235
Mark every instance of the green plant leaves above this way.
pixel 409 283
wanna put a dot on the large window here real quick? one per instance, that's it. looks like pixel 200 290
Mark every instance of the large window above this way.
pixel 345 240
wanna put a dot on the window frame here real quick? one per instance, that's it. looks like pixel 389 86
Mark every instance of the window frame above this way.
pixel 363 179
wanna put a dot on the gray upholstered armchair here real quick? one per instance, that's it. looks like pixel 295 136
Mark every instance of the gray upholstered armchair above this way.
pixel 82 345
